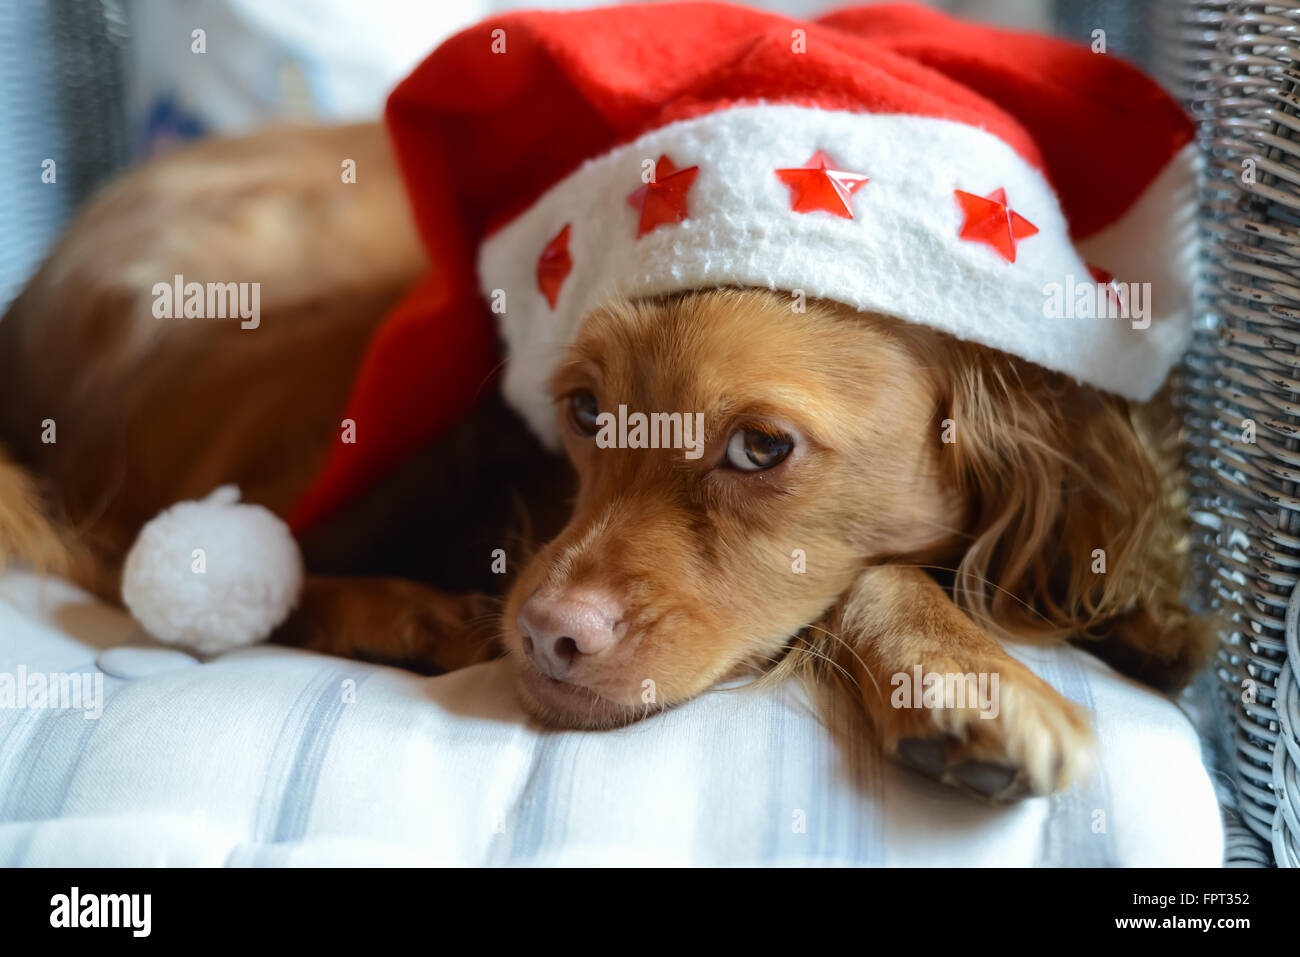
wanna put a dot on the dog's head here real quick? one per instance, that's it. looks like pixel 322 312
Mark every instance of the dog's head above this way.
pixel 740 460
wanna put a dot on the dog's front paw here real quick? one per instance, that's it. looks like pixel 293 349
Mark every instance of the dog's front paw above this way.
pixel 1006 735
pixel 392 621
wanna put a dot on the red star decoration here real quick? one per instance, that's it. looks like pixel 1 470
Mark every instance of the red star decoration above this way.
pixel 554 266
pixel 1100 275
pixel 820 185
pixel 664 200
pixel 1114 291
pixel 990 221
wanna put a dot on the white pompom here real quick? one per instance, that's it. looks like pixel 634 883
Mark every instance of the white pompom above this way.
pixel 213 575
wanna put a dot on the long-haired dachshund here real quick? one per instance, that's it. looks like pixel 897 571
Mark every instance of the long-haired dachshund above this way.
pixel 652 575
pixel 870 502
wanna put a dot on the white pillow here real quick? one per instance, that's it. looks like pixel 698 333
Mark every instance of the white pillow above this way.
pixel 276 756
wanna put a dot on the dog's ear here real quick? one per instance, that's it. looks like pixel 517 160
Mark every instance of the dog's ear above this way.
pixel 1076 521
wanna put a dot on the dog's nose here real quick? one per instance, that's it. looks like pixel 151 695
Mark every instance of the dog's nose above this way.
pixel 558 629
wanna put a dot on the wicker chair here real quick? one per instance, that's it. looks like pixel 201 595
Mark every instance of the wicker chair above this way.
pixel 61 98
pixel 1236 65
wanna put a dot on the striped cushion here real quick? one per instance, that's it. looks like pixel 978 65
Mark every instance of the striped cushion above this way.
pixel 271 756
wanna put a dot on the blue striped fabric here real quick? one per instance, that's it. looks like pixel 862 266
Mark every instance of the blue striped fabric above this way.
pixel 271 756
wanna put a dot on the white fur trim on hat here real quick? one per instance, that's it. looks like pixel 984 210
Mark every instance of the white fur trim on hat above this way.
pixel 901 254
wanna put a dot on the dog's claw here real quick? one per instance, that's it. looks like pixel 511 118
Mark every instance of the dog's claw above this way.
pixel 924 755
pixel 985 777
pixel 991 780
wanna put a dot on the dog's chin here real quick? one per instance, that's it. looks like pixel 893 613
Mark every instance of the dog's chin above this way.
pixel 557 704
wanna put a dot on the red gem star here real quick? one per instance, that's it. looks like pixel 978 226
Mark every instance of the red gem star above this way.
pixel 1114 291
pixel 554 266
pixel 818 184
pixel 664 200
pixel 989 220
pixel 1100 275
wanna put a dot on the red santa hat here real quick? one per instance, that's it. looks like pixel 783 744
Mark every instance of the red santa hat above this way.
pixel 886 157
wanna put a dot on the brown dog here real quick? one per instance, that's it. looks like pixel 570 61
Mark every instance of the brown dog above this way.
pixel 870 496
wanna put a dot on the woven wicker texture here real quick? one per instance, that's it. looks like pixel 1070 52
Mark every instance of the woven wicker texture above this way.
pixel 1237 67
pixel 61 99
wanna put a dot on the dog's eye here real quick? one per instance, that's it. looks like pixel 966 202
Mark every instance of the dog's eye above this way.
pixel 583 411
pixel 752 450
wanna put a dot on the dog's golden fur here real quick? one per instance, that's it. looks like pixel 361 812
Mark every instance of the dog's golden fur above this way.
pixel 916 550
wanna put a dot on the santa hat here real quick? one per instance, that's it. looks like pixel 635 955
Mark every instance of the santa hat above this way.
pixel 886 157
pixel 961 177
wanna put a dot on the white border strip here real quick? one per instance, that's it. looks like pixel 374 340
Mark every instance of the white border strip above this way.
pixel 900 255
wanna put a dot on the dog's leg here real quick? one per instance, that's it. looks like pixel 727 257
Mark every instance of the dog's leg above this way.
pixel 393 621
pixel 1161 644
pixel 1020 737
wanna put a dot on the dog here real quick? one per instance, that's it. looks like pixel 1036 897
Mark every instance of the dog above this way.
pixel 831 525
